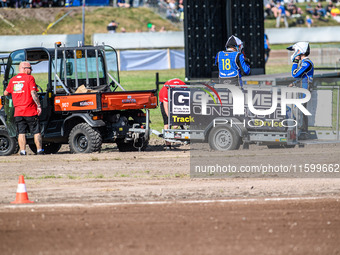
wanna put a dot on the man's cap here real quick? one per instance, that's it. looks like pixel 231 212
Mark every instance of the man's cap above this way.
pixel 175 81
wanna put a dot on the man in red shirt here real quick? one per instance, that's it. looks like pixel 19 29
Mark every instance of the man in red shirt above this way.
pixel 164 103
pixel 27 106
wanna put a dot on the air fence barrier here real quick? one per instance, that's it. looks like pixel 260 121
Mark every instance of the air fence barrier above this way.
pixel 129 60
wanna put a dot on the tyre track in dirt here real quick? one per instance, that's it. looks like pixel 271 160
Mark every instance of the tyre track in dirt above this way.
pixel 157 175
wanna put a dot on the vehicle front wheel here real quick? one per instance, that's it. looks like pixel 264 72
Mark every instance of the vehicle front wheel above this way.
pixel 84 139
pixel 8 145
pixel 224 138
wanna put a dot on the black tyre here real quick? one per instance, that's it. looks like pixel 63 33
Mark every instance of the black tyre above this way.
pixel 289 146
pixel 224 138
pixel 49 148
pixel 274 146
pixel 280 146
pixel 8 145
pixel 84 139
pixel 125 147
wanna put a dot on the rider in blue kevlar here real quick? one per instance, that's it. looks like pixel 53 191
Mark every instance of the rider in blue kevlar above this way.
pixel 231 63
pixel 302 71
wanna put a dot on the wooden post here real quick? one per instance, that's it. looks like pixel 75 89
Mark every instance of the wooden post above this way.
pixel 169 59
pixel 118 56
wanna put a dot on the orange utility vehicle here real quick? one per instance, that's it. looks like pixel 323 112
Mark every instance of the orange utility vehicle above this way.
pixel 83 104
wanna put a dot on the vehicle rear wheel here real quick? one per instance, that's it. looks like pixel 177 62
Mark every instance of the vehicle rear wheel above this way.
pixel 49 148
pixel 8 145
pixel 84 139
pixel 224 138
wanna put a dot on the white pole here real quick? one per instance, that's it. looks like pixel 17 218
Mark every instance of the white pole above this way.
pixel 83 22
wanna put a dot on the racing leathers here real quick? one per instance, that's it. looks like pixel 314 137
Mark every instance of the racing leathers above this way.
pixel 231 65
pixel 303 72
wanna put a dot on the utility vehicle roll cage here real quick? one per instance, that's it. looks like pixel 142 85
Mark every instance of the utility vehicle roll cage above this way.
pixel 70 67
pixel 92 60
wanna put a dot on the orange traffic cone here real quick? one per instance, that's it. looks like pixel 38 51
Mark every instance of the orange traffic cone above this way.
pixel 21 197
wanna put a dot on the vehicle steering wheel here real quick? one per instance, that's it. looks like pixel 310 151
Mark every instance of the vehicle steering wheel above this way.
pixel 40 89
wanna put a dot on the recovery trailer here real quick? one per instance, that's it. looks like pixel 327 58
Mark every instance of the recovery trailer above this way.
pixel 214 122
pixel 83 104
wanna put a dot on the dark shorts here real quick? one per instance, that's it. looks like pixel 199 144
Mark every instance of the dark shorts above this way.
pixel 165 117
pixel 30 124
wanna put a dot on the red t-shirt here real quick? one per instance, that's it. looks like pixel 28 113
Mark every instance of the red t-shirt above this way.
pixel 163 93
pixel 20 87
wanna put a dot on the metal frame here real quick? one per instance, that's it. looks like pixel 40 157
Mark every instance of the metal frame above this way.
pixel 182 135
pixel 86 49
pixel 328 135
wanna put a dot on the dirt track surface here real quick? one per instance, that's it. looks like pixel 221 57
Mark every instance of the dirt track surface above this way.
pixel 70 191
pixel 157 175
pixel 285 227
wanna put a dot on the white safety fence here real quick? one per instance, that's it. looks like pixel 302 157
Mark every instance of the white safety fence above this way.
pixel 322 55
pixel 163 40
pixel 296 34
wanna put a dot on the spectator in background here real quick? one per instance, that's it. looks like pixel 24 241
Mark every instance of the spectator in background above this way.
pixel 180 7
pixel 24 4
pixel 171 11
pixel 329 8
pixel 181 10
pixel 309 21
pixel 309 9
pixel 292 8
pixel 268 11
pixel 112 26
pixel 315 14
pixel 282 14
pixel 320 10
pixel 3 3
pixel 153 28
pixel 122 3
pixel 123 30
pixel 172 4
pixel 266 48
pixel 162 29
pixel 319 13
pixel 335 11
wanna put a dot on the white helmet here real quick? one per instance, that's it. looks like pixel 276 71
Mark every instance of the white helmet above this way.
pixel 233 41
pixel 299 48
